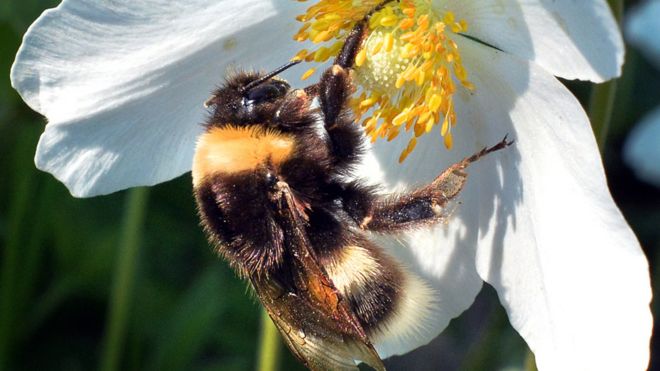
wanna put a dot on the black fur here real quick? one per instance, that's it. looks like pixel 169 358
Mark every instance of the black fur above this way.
pixel 376 300
pixel 238 211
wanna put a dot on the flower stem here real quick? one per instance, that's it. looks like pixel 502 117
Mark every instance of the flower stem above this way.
pixel 269 345
pixel 601 102
pixel 121 295
pixel 530 361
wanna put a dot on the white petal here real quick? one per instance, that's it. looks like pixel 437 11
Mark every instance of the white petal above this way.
pixel 122 83
pixel 642 148
pixel 445 255
pixel 571 39
pixel 564 262
pixel 643 27
pixel 444 260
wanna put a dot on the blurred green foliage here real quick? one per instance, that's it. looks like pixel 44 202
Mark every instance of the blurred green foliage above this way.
pixel 58 257
pixel 184 308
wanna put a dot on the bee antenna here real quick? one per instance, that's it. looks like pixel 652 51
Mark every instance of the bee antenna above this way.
pixel 268 76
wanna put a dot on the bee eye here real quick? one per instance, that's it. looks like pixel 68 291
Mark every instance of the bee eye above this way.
pixel 267 91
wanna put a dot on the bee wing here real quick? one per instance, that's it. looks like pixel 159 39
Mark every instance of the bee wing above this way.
pixel 309 312
pixel 318 340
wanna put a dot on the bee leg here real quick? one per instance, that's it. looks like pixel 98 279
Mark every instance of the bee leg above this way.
pixel 346 56
pixel 344 137
pixel 425 205
pixel 335 85
pixel 333 90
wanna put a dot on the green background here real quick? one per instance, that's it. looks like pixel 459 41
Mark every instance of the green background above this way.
pixel 183 309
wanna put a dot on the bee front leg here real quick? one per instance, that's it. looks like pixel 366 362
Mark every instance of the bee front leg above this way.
pixel 335 85
pixel 346 57
pixel 334 90
pixel 426 205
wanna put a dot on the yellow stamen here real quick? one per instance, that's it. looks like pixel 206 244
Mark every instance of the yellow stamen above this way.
pixel 300 55
pixel 428 124
pixel 400 118
pixel 322 36
pixel 368 102
pixel 388 21
pixel 393 134
pixel 449 142
pixel 377 47
pixel 411 146
pixel 408 68
pixel 360 57
pixel 445 127
pixel 389 42
pixel 308 73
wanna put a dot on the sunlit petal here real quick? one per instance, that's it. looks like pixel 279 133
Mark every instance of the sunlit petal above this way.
pixel 570 39
pixel 122 86
pixel 122 83
pixel 565 264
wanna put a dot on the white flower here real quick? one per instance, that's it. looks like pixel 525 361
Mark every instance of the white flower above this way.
pixel 642 148
pixel 122 83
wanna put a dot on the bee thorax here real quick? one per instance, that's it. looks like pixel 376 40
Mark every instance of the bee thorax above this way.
pixel 232 150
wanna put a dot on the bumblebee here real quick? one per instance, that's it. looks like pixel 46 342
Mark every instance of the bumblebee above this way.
pixel 274 184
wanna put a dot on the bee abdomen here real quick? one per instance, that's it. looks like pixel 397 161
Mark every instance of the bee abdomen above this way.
pixel 388 299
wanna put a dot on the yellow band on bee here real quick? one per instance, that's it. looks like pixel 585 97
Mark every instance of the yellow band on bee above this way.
pixel 232 149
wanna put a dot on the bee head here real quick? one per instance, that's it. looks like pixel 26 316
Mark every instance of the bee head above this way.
pixel 249 98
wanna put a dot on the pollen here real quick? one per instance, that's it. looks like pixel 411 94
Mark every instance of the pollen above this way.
pixel 308 73
pixel 408 69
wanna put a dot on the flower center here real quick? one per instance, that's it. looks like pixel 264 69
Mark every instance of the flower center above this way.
pixel 408 68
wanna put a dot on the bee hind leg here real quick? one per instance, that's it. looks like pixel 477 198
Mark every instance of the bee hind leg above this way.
pixel 425 205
